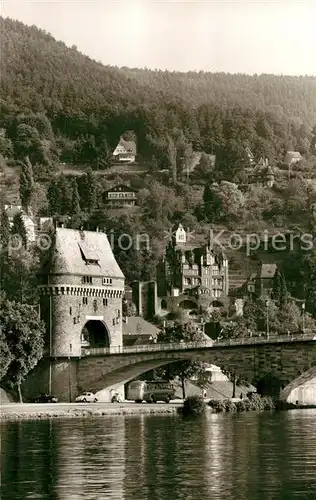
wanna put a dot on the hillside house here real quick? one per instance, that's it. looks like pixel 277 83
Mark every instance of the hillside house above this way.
pixel 292 157
pixel 120 195
pixel 125 151
pixel 28 220
pixel 250 156
pixel 261 284
pixel 262 174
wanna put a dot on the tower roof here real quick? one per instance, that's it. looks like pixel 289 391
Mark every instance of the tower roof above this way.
pixel 82 253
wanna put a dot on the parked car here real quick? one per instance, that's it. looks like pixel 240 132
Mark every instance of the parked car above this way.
pixel 45 398
pixel 87 397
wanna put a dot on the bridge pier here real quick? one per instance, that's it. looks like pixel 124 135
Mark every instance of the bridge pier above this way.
pixel 59 376
pixel 270 386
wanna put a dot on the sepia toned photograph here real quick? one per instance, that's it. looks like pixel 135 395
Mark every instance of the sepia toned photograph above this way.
pixel 158 249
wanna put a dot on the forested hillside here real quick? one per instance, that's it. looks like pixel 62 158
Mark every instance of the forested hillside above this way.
pixel 59 106
pixel 76 109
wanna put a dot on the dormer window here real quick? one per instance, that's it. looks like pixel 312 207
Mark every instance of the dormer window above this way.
pixel 88 254
pixel 107 281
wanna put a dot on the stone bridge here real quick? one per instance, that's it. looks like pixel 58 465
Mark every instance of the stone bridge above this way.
pixel 275 366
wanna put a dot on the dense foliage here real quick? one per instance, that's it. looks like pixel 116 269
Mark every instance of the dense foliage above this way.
pixel 58 103
pixel 22 340
pixel 193 406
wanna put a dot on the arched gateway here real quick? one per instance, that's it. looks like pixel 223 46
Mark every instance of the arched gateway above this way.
pixel 95 334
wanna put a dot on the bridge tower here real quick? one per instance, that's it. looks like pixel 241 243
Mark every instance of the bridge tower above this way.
pixel 81 304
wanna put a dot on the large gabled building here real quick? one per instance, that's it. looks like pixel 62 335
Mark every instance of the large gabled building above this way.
pixel 198 272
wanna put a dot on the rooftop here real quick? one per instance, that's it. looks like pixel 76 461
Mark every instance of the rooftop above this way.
pixel 83 253
pixel 130 146
pixel 137 326
pixel 267 270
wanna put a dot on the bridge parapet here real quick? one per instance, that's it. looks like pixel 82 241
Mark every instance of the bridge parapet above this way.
pixel 207 344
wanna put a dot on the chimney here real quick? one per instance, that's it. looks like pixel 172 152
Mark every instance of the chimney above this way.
pixel 97 229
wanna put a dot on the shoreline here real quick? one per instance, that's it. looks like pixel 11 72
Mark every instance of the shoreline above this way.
pixel 79 412
pixel 21 413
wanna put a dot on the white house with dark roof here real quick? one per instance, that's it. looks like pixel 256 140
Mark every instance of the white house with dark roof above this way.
pixel 292 157
pixel 120 195
pixel 125 151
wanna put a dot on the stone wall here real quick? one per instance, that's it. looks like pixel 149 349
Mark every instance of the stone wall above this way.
pixel 72 307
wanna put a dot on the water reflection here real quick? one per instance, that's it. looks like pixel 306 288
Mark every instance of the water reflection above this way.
pixel 243 456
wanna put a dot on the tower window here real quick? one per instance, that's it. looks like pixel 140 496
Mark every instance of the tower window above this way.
pixel 85 300
pixel 87 279
pixel 105 302
pixel 107 281
pixel 70 311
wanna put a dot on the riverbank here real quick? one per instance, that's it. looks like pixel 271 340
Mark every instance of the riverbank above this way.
pixel 27 411
pixel 37 411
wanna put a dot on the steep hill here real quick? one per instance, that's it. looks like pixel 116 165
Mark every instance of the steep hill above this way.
pixel 290 96
pixel 88 104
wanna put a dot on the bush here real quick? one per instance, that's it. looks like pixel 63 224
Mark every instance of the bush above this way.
pixel 217 405
pixel 230 406
pixel 255 403
pixel 193 406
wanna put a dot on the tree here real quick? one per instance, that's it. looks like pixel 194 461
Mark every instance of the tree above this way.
pixel 180 332
pixel 28 143
pixel 234 330
pixel 172 157
pixel 19 275
pixel 204 170
pixel 223 201
pixel 154 164
pixel 26 183
pixel 88 191
pixel 18 228
pixel 311 294
pixel 23 333
pixel 4 230
pixel 280 293
pixel 212 203
pixel 6 148
pixel 231 160
pixel 103 154
pixel 6 356
pixel 129 309
pixel 75 200
pixel 59 196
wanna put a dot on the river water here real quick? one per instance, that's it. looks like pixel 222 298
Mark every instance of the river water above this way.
pixel 246 456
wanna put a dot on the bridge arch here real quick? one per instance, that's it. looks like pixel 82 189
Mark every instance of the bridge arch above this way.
pixel 95 333
pixel 305 377
pixel 276 367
